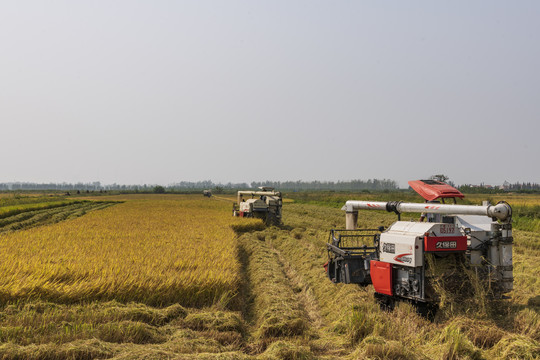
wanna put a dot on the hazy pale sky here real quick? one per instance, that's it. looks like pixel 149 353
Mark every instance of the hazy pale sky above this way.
pixel 163 91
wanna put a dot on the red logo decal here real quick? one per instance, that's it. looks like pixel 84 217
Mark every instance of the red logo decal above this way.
pixel 404 258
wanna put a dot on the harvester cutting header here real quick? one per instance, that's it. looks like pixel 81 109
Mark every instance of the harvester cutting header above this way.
pixel 264 204
pixel 478 237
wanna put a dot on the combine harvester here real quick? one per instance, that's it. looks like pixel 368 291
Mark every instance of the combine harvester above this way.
pixel 266 206
pixel 478 237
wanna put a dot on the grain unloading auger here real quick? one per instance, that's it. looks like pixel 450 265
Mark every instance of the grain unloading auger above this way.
pixel 478 237
pixel 265 204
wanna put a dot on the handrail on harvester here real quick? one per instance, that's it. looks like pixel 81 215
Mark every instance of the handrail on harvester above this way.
pixel 502 211
pixel 256 193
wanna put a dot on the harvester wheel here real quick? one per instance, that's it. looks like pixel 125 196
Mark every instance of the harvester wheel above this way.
pixel 387 303
pixel 426 310
pixel 271 219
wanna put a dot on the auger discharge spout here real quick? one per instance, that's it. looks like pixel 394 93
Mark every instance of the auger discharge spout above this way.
pixel 501 211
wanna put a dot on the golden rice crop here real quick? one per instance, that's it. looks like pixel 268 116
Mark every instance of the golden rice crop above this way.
pixel 156 250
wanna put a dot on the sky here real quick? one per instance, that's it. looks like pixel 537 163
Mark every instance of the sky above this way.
pixel 158 92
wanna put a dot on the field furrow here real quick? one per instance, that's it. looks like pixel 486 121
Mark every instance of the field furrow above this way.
pixel 49 215
pixel 276 310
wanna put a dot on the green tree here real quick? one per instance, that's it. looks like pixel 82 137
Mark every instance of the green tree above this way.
pixel 159 189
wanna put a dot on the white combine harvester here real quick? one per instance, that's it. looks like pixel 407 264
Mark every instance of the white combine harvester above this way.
pixel 478 238
pixel 264 204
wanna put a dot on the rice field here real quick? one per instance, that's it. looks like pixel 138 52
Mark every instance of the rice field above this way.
pixel 155 251
pixel 177 277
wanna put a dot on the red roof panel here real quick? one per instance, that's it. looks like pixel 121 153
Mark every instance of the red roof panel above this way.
pixel 432 189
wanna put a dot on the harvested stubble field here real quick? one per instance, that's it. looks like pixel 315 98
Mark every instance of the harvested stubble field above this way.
pixel 176 277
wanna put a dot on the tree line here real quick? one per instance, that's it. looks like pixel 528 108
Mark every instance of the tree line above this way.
pixel 506 187
pixel 353 185
pixel 521 186
pixel 192 186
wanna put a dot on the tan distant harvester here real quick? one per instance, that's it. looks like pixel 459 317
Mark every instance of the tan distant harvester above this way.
pixel 264 204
